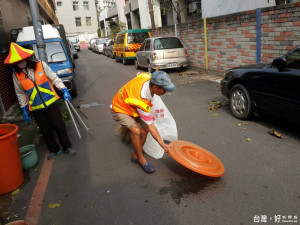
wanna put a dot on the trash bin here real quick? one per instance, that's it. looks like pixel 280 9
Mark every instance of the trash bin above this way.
pixel 29 156
pixel 11 173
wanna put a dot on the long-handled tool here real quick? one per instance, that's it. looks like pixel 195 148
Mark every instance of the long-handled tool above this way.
pixel 74 110
pixel 72 118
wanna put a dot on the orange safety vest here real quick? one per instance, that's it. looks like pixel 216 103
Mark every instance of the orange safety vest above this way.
pixel 129 97
pixel 40 92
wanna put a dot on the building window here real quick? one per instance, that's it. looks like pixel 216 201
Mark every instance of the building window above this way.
pixel 88 21
pixel 78 21
pixel 86 6
pixel 75 6
pixel 58 3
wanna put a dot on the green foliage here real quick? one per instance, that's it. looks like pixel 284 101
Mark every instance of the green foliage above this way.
pixel 116 28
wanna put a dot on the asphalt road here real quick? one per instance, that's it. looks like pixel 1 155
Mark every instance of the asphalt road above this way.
pixel 101 186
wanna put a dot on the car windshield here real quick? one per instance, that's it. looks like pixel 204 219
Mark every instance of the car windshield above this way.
pixel 101 41
pixel 137 37
pixel 73 39
pixel 54 51
pixel 167 43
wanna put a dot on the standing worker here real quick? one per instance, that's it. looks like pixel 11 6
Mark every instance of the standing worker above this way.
pixel 131 109
pixel 33 82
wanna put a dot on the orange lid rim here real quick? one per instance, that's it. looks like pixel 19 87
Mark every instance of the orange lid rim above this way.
pixel 196 159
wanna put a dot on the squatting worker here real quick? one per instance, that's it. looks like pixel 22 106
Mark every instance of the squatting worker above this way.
pixel 131 108
pixel 33 83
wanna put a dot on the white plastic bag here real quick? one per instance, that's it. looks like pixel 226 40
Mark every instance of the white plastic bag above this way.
pixel 166 126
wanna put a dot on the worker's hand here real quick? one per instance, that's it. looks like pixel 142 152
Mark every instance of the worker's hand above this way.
pixel 167 147
pixel 66 94
pixel 25 114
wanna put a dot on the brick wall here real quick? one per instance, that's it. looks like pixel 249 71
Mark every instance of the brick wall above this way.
pixel 15 14
pixel 231 39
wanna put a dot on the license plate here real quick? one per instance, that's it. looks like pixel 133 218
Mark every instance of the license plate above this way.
pixel 172 65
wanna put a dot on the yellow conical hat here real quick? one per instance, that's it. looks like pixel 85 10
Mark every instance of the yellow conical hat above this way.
pixel 17 54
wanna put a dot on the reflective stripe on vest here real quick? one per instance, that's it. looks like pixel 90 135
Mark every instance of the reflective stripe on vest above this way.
pixel 47 95
pixel 129 97
pixel 43 94
pixel 138 103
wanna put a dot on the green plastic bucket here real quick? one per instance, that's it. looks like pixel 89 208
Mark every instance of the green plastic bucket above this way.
pixel 29 156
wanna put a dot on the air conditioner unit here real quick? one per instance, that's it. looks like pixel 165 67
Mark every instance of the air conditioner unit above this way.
pixel 194 6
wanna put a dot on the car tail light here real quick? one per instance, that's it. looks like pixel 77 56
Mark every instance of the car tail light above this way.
pixel 154 56
pixel 186 54
pixel 130 50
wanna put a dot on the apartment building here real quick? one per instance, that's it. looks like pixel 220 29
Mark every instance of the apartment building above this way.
pixel 79 17
pixel 103 7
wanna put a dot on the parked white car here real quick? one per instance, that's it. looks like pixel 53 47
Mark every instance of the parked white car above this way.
pixel 99 45
pixel 165 52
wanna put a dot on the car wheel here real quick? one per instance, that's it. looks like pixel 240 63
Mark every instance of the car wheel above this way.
pixel 136 64
pixel 182 69
pixel 150 70
pixel 73 92
pixel 124 61
pixel 240 102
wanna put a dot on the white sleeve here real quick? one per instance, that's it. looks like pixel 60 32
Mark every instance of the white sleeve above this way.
pixel 55 80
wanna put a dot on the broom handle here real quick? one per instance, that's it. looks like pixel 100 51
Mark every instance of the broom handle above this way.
pixel 70 104
pixel 73 120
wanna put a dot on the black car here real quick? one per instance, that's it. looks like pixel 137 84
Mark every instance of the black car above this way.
pixel 271 88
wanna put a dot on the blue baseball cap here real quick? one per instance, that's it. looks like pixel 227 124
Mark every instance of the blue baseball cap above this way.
pixel 162 79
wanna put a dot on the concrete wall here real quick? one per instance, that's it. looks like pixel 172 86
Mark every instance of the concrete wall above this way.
pixel 145 19
pixel 232 38
pixel 121 15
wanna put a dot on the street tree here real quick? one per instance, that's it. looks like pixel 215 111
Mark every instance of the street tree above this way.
pixel 177 6
pixel 116 28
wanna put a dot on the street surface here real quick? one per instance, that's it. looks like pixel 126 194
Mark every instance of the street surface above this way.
pixel 101 186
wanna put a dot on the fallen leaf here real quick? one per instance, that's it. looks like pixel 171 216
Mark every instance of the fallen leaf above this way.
pixel 245 123
pixel 36 170
pixel 244 128
pixel 248 139
pixel 54 205
pixel 15 192
pixel 215 114
pixel 276 134
pixel 239 124
pixel 214 105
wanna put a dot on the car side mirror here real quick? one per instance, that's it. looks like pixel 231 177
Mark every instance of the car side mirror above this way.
pixel 279 62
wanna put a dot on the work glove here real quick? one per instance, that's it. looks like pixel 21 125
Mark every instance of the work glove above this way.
pixel 66 94
pixel 25 114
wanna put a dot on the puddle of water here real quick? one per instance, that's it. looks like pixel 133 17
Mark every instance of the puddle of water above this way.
pixel 187 186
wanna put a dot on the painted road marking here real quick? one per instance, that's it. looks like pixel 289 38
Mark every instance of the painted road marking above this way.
pixel 36 202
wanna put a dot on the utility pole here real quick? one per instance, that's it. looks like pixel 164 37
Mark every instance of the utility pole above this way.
pixel 151 12
pixel 38 31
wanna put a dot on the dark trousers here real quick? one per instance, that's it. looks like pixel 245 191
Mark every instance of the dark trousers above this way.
pixel 48 119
